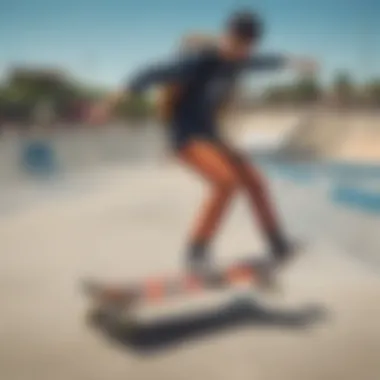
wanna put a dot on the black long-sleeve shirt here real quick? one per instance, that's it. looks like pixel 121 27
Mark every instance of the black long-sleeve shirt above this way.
pixel 206 78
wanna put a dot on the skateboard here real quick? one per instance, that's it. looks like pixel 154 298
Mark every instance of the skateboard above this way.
pixel 112 305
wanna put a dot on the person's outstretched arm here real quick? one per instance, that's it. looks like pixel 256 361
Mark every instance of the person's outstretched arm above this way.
pixel 272 62
pixel 178 71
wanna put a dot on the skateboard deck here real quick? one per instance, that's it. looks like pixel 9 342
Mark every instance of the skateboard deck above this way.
pixel 110 301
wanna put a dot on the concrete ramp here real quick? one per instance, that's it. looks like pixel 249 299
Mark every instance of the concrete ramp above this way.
pixel 133 224
pixel 316 135
pixel 362 142
pixel 342 135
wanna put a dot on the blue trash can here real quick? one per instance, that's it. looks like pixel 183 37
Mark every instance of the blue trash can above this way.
pixel 38 157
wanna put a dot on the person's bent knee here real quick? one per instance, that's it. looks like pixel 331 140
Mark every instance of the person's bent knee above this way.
pixel 227 184
pixel 254 179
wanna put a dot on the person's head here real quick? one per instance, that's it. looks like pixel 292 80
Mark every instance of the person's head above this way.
pixel 242 34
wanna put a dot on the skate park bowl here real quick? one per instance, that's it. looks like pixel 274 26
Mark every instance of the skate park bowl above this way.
pixel 109 203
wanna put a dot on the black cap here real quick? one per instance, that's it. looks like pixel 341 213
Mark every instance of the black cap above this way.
pixel 245 25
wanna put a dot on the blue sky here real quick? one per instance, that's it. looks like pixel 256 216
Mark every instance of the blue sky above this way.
pixel 104 41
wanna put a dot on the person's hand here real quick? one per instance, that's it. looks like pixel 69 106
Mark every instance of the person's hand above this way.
pixel 304 66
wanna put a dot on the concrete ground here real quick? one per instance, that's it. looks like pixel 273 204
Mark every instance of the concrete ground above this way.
pixel 132 223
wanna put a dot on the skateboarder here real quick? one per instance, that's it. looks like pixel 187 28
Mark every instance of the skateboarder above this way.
pixel 203 79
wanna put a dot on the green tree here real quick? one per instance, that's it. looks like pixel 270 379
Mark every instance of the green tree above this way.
pixel 136 108
pixel 28 90
pixel 306 90
pixel 278 95
pixel 372 91
pixel 344 89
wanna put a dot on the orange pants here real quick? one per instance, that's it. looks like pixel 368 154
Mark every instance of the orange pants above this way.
pixel 227 172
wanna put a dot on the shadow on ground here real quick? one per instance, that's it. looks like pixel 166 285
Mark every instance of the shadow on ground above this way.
pixel 174 331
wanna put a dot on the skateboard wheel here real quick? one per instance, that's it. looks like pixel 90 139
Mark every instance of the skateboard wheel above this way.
pixel 129 325
pixel 95 317
pixel 112 319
